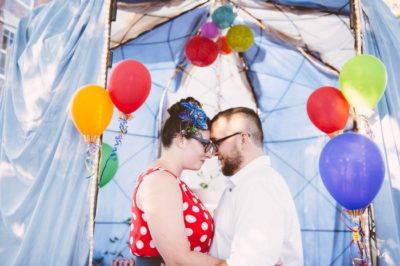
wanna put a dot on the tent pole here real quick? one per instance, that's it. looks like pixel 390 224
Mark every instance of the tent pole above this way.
pixel 368 217
pixel 110 15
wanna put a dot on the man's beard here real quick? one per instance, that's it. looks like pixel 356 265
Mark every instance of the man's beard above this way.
pixel 231 165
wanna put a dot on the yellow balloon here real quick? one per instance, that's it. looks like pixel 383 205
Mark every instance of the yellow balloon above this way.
pixel 91 110
pixel 240 38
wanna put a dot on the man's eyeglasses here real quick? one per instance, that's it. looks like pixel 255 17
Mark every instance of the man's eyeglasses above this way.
pixel 207 144
pixel 218 142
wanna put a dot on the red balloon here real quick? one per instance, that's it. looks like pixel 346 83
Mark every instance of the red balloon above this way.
pixel 327 109
pixel 129 85
pixel 201 51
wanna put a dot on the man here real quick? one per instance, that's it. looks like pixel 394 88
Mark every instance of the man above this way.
pixel 256 220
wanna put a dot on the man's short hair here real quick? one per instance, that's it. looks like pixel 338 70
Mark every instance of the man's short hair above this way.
pixel 254 122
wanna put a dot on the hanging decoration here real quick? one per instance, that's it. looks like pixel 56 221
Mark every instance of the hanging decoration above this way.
pixel 352 169
pixel 240 38
pixel 328 110
pixel 223 46
pixel 129 85
pixel 209 30
pixel 363 81
pixel 223 16
pixel 201 51
pixel 108 164
pixel 91 111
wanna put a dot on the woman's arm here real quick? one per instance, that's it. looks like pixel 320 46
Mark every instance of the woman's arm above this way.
pixel 159 196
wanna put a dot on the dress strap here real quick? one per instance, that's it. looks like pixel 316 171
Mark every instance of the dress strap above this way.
pixel 146 173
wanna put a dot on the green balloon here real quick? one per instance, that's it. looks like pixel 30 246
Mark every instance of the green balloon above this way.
pixel 240 38
pixel 363 81
pixel 108 164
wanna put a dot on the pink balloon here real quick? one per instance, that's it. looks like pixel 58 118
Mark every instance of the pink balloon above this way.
pixel 209 30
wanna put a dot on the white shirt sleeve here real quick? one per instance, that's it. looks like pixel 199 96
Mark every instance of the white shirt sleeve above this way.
pixel 259 225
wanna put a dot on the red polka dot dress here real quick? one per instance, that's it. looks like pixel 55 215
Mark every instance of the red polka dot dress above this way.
pixel 198 222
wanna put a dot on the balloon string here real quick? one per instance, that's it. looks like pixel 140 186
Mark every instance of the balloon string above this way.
pixel 91 152
pixel 367 126
pixel 123 129
pixel 358 236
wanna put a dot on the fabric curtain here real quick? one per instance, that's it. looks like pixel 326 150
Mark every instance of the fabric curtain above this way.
pixel 382 39
pixel 44 188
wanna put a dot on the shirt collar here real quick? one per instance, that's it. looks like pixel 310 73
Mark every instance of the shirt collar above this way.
pixel 243 173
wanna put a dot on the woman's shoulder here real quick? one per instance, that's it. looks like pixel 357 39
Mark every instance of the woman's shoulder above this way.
pixel 157 176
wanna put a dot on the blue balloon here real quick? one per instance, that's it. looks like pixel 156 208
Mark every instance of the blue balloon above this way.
pixel 223 16
pixel 352 169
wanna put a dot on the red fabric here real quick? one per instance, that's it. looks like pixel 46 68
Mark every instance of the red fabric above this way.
pixel 198 222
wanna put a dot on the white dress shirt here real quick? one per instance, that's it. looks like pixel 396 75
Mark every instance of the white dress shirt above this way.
pixel 256 222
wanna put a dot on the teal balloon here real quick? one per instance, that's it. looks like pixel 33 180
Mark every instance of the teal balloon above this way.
pixel 363 81
pixel 223 16
pixel 108 164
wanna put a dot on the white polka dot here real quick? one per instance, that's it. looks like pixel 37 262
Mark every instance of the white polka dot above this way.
pixel 195 200
pixel 131 240
pixel 185 206
pixel 152 244
pixel 189 232
pixel 209 242
pixel 190 218
pixel 201 206
pixel 206 216
pixel 136 254
pixel 197 249
pixel 195 209
pixel 133 216
pixel 204 226
pixel 139 244
pixel 132 226
pixel 203 238
pixel 144 217
pixel 184 188
pixel 143 230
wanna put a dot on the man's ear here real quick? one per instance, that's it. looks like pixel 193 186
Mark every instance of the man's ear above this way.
pixel 245 139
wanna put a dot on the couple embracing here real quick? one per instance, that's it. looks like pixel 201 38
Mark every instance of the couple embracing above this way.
pixel 255 222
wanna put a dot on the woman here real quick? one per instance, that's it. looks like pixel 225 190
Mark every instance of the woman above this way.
pixel 169 222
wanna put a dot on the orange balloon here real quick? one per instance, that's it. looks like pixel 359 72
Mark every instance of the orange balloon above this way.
pixel 223 45
pixel 91 110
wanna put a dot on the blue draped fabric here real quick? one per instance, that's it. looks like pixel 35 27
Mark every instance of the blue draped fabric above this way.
pixel 43 181
pixel 382 39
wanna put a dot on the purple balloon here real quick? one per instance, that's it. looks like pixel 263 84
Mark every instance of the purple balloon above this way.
pixel 209 30
pixel 352 169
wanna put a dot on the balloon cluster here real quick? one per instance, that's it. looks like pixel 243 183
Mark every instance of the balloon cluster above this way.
pixel 351 165
pixel 92 107
pixel 218 36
